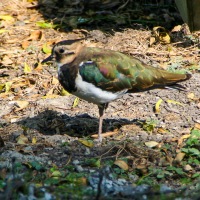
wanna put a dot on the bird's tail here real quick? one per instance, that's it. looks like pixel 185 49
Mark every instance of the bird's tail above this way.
pixel 171 80
pixel 152 78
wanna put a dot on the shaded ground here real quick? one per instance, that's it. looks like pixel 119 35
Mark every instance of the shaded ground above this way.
pixel 40 130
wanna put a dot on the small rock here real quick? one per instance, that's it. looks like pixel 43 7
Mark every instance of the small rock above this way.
pixel 187 168
pixel 133 178
pixel 76 162
pixel 79 168
pixel 87 151
pixel 165 189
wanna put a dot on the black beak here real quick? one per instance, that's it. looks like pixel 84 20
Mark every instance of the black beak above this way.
pixel 48 59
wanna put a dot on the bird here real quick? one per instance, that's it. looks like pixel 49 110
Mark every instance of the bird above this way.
pixel 100 76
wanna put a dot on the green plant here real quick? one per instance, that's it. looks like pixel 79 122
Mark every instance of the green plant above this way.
pixel 149 125
pixel 192 146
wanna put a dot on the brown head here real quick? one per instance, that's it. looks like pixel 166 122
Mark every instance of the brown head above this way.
pixel 65 52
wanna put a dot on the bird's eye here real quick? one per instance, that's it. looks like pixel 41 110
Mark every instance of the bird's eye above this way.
pixel 61 51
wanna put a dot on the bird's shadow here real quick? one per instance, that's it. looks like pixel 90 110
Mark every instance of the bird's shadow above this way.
pixel 50 122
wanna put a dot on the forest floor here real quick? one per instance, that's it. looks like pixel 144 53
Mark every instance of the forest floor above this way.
pixel 48 143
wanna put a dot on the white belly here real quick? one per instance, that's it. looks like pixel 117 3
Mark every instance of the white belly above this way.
pixel 89 92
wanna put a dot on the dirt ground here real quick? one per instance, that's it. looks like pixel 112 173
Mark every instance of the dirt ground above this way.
pixel 38 124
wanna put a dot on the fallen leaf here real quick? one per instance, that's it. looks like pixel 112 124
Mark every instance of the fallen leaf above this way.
pixel 3 31
pixel 107 134
pixel 187 168
pixel 142 168
pixel 12 41
pixel 87 143
pixel 43 24
pixel 162 130
pixel 50 96
pixel 151 144
pixel 122 164
pixel 22 139
pixel 7 18
pixel 161 35
pixel 176 28
pixel 35 35
pixel 39 67
pixel 25 44
pixel 64 92
pixel 180 140
pixel 179 157
pixel 75 103
pixel 8 86
pixel 55 81
pixel 157 106
pixel 174 102
pixel 197 125
pixel 56 173
pixel 191 96
pixel 6 60
pixel 50 92
pixel 27 68
pixel 169 159
pixel 152 40
pixel 21 105
pixel 34 140
pixel 46 48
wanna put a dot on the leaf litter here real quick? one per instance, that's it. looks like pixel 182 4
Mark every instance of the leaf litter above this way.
pixel 45 135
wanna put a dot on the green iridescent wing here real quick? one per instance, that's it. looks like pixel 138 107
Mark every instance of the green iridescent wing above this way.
pixel 114 71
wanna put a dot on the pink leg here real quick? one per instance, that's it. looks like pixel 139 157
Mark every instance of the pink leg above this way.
pixel 102 109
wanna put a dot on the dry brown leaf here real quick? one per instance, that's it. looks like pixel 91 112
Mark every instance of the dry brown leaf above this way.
pixel 169 159
pixel 12 41
pixel 6 60
pixel 35 35
pixel 50 92
pixel 152 41
pixel 21 82
pixel 25 44
pixel 107 134
pixel 180 141
pixel 45 85
pixel 39 67
pixel 151 144
pixel 33 18
pixel 191 96
pixel 162 130
pixel 179 157
pixel 50 96
pixel 197 126
pixel 55 81
pixel 122 164
pixel 21 105
pixel 4 95
pixel 187 168
pixel 176 28
pixel 143 168
pixel 22 139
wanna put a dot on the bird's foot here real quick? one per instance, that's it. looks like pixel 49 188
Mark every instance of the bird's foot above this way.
pixel 100 139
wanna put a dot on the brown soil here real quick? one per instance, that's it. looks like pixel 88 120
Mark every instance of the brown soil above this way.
pixel 53 120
